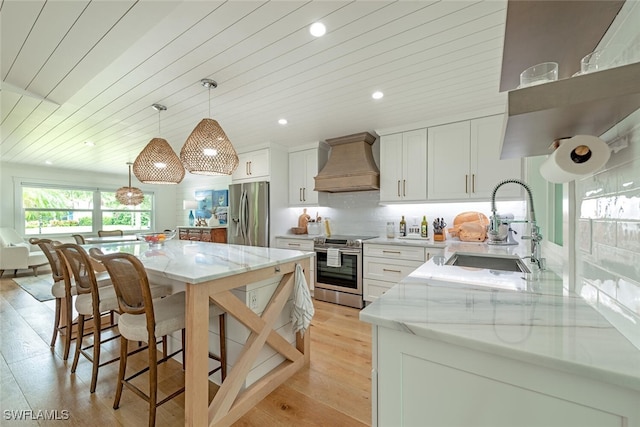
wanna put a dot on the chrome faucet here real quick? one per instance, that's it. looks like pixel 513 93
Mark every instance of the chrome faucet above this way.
pixel 497 220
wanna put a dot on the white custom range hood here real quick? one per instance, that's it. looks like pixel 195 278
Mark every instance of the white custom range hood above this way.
pixel 350 167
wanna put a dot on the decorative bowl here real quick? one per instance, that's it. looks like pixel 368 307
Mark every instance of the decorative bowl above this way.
pixel 156 239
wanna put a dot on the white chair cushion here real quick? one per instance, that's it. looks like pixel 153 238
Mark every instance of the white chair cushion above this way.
pixel 170 317
pixel 109 300
pixel 57 289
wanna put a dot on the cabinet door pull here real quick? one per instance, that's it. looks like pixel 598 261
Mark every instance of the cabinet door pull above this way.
pixel 466 183
pixel 293 244
pixel 246 168
pixel 398 188
pixel 391 252
pixel 473 183
pixel 250 171
pixel 391 271
pixel 304 194
pixel 404 187
pixel 300 194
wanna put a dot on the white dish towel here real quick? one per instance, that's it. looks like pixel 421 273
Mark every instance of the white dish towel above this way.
pixel 303 310
pixel 333 258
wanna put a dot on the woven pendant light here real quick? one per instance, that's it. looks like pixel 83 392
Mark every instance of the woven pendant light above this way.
pixel 208 150
pixel 157 163
pixel 129 196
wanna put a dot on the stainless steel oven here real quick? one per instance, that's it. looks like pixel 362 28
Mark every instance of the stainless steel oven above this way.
pixel 339 281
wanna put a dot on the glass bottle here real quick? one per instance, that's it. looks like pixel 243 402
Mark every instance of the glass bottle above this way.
pixel 191 218
pixel 424 227
pixel 403 227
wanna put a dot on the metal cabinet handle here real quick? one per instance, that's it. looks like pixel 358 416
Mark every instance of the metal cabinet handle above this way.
pixel 391 271
pixel 404 187
pixel 473 183
pixel 398 188
pixel 466 183
pixel 391 252
pixel 250 171
pixel 304 194
pixel 293 244
pixel 246 168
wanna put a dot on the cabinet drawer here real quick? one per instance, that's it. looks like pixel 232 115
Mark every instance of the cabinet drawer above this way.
pixel 388 270
pixel 413 253
pixel 297 244
pixel 373 289
pixel 431 252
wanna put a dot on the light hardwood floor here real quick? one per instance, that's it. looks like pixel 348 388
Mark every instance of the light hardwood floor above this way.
pixel 334 391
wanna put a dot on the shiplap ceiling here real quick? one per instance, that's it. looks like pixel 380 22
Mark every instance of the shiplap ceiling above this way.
pixel 76 71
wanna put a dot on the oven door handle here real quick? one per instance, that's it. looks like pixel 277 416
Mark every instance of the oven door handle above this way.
pixel 342 251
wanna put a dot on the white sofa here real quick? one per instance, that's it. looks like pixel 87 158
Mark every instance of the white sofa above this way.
pixel 16 254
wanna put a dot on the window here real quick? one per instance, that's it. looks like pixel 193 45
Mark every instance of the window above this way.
pixel 64 210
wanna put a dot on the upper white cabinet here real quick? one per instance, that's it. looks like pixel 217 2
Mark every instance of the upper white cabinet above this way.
pixel 403 176
pixel 252 166
pixel 464 161
pixel 303 167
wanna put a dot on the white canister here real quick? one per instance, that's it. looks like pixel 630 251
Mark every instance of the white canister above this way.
pixel 314 228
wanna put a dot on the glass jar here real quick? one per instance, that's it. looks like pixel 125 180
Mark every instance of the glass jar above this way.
pixel 391 229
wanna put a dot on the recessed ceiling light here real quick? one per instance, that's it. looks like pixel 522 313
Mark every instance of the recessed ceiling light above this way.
pixel 283 121
pixel 317 29
pixel 89 143
pixel 48 162
pixel 377 95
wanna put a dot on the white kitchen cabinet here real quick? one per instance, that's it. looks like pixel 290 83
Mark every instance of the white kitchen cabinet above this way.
pixel 303 167
pixel 464 161
pixel 385 265
pixel 425 381
pixel 252 166
pixel 305 245
pixel 403 176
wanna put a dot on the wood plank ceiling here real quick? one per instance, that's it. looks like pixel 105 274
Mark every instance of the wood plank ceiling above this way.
pixel 76 71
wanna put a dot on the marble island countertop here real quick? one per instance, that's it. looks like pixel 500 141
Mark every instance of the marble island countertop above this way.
pixel 199 262
pixel 532 317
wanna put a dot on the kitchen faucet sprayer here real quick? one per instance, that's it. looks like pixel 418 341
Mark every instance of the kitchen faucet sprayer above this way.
pixel 496 221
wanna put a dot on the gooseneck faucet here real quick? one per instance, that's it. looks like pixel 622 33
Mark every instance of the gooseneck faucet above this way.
pixel 535 236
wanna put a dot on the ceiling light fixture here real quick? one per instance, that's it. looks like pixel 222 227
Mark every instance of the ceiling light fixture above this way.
pixel 283 121
pixel 317 29
pixel 157 163
pixel 208 150
pixel 129 196
pixel 89 144
pixel 377 95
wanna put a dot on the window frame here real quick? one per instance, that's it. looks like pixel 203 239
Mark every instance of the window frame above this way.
pixel 96 212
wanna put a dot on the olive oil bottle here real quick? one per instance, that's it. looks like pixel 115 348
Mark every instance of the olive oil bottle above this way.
pixel 403 227
pixel 424 227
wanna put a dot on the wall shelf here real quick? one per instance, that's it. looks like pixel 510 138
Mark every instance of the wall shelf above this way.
pixel 563 32
pixel 589 104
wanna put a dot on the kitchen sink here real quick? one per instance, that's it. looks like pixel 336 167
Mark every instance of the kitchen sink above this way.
pixel 492 262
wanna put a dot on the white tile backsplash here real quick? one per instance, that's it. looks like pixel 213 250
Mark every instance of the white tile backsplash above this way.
pixel 608 235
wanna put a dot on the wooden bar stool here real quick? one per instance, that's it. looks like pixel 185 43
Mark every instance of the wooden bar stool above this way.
pixel 62 290
pixel 145 319
pixel 93 300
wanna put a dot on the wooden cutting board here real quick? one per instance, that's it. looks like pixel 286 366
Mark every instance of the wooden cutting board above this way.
pixel 470 217
pixel 476 233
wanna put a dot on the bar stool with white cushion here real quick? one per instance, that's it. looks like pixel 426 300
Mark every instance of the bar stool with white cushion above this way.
pixel 91 302
pixel 146 319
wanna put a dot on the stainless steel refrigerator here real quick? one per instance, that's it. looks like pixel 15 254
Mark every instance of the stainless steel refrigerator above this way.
pixel 248 222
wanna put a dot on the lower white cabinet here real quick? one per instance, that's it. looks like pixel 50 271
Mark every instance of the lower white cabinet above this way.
pixel 418 381
pixel 305 245
pixel 385 265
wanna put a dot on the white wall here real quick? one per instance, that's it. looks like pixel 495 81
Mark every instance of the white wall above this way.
pixel 608 233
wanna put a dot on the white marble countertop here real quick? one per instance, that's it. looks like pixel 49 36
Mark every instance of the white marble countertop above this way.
pixel 199 262
pixel 534 319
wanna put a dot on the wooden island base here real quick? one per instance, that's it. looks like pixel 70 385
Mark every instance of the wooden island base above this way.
pixel 232 401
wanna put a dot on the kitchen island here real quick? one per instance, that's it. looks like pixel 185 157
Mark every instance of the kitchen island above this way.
pixel 459 346
pixel 215 272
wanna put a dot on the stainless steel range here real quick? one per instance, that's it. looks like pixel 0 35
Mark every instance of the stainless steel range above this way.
pixel 339 269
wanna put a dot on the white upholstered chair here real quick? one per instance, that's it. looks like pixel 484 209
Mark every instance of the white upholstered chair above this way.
pixel 16 254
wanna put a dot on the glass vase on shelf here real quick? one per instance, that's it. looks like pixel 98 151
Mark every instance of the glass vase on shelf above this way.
pixel 191 219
